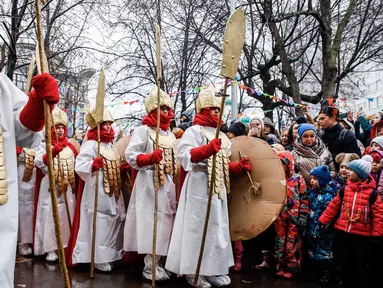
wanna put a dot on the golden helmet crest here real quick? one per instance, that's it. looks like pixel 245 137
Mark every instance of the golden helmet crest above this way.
pixel 91 118
pixel 207 98
pixel 59 117
pixel 151 100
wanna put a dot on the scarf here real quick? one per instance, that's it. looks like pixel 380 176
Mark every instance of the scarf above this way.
pixel 151 120
pixel 62 140
pixel 205 119
pixel 105 136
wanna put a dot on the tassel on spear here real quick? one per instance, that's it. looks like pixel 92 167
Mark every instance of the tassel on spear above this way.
pixel 42 67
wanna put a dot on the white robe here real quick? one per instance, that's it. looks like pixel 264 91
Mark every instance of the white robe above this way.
pixel 45 237
pixel 111 213
pixel 12 100
pixel 138 232
pixel 190 219
pixel 26 194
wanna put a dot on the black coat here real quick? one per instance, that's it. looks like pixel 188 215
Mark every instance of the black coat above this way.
pixel 331 137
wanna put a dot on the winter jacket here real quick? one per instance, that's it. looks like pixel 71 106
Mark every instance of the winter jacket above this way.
pixel 330 137
pixel 296 203
pixel 307 158
pixel 366 126
pixel 354 212
pixel 320 241
pixel 337 183
pixel 374 129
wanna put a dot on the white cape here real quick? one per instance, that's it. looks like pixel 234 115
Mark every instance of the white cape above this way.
pixel 190 219
pixel 45 237
pixel 26 193
pixel 12 100
pixel 110 213
pixel 138 232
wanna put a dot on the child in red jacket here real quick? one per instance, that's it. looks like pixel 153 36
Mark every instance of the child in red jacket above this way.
pixel 358 220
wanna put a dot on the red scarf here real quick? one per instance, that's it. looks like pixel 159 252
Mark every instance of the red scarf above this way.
pixel 204 118
pixel 105 136
pixel 151 120
pixel 62 140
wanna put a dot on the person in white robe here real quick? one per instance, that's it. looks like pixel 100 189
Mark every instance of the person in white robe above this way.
pixel 63 154
pixel 141 155
pixel 26 178
pixel 21 119
pixel 195 151
pixel 111 210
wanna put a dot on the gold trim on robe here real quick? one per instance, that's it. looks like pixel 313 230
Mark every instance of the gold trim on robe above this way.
pixel 112 177
pixel 29 164
pixel 222 176
pixel 3 172
pixel 65 173
pixel 168 164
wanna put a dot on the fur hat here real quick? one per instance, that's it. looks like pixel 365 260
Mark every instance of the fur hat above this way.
pixel 323 175
pixel 345 158
pixel 362 167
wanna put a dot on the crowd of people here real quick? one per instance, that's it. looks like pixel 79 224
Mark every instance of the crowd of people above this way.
pixel 330 226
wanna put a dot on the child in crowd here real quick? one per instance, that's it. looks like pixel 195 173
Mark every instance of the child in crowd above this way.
pixel 358 213
pixel 343 159
pixel 320 242
pixel 377 143
pixel 291 221
pixel 376 168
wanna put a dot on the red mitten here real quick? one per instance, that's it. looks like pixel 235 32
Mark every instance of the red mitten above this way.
pixel 32 115
pixel 97 164
pixel 149 159
pixel 55 151
pixel 125 167
pixel 240 167
pixel 204 152
pixel 46 88
pixel 19 150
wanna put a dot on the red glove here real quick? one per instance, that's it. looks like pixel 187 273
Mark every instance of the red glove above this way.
pixel 125 167
pixel 240 167
pixel 32 115
pixel 19 150
pixel 149 159
pixel 204 152
pixel 55 151
pixel 97 164
pixel 46 88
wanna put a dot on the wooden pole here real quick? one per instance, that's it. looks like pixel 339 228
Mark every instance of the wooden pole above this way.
pixel 211 190
pixel 52 184
pixel 157 167
pixel 95 208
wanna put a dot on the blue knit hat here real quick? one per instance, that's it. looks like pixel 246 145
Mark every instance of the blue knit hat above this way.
pixel 323 175
pixel 302 128
pixel 362 167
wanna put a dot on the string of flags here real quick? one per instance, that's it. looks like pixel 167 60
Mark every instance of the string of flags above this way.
pixel 240 86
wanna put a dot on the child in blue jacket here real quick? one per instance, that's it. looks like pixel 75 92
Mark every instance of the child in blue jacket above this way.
pixel 320 240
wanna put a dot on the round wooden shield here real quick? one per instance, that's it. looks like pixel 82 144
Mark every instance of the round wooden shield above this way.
pixel 75 143
pixel 121 146
pixel 249 213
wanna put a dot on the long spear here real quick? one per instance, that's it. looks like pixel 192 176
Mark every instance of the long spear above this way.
pixel 44 62
pixel 233 44
pixel 156 169
pixel 31 68
pixel 99 118
pixel 43 67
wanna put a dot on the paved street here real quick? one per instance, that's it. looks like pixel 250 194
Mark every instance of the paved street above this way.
pixel 38 274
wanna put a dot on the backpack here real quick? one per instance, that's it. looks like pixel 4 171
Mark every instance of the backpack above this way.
pixel 342 135
pixel 371 200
